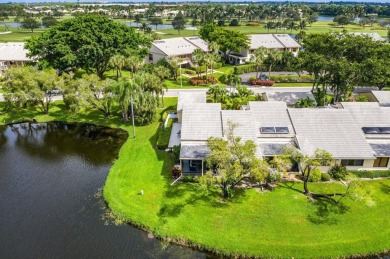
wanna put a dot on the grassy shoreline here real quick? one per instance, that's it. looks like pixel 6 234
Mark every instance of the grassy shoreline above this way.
pixel 282 223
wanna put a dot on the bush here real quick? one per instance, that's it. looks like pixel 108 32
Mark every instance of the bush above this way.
pixel 189 179
pixel 176 154
pixel 338 172
pixel 217 65
pixel 325 177
pixel 315 175
pixel 164 135
pixel 262 82
pixel 292 79
pixel 244 69
pixel 234 22
pixel 274 176
pixel 370 173
pixel 252 24
pixel 221 23
pixel 189 72
pixel 196 81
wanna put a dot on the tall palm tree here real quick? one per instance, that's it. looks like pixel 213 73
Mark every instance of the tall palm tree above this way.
pixel 216 91
pixel 258 58
pixel 117 61
pixel 232 79
pixel 273 56
pixel 135 63
pixel 198 57
pixel 124 90
pixel 212 59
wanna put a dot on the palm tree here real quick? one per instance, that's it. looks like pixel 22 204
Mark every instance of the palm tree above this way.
pixel 123 91
pixel 258 57
pixel 134 62
pixel 232 79
pixel 198 57
pixel 273 57
pixel 302 25
pixel 217 91
pixel 269 25
pixel 211 60
pixel 117 61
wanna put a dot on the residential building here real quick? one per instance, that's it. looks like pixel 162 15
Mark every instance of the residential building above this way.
pixel 12 54
pixel 176 47
pixel 381 97
pixel 281 42
pixel 357 134
pixel 290 98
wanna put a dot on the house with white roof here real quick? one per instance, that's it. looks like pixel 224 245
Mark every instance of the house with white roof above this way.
pixel 357 135
pixel 176 47
pixel 281 42
pixel 12 54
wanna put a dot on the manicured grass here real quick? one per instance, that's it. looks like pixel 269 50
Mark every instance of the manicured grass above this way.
pixel 281 223
pixel 18 35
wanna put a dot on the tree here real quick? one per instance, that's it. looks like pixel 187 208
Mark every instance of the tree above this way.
pixel 364 21
pixel 227 40
pixel 342 20
pixel 117 61
pixel 145 105
pixel 135 62
pixel 273 57
pixel 29 85
pixel 156 21
pixel 258 58
pixel 269 26
pixel 124 90
pixel 49 21
pixel 102 38
pixel 308 163
pixel 199 58
pixel 138 18
pixel 216 91
pixel 30 23
pixel 312 18
pixel 233 79
pixel 231 161
pixel 179 22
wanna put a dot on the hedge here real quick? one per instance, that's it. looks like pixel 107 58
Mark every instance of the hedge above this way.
pixel 164 135
pixel 210 80
pixel 262 82
pixel 292 79
pixel 370 173
pixel 244 69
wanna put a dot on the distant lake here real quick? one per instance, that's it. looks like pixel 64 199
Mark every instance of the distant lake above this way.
pixel 51 206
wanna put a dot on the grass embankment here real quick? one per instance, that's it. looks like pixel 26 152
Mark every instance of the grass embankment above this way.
pixel 281 223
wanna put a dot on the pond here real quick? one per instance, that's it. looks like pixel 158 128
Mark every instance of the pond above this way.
pixel 51 177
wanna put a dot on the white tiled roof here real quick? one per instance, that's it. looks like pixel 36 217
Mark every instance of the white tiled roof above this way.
pixel 175 46
pixel 246 128
pixel 271 114
pixel 383 97
pixel 331 129
pixel 13 51
pixel 264 40
pixel 290 98
pixel 190 97
pixel 368 114
pixel 198 42
pixel 201 121
pixel 287 41
pixel 272 41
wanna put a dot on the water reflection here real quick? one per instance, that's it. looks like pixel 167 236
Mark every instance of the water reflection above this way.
pixel 50 203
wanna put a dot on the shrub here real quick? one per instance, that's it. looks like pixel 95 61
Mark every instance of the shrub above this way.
pixel 338 172
pixel 244 69
pixel 325 177
pixel 189 179
pixel 221 23
pixel 252 78
pixel 315 175
pixel 234 22
pixel 189 72
pixel 217 65
pixel 292 78
pixel 370 173
pixel 176 153
pixel 362 98
pixel 252 24
pixel 262 82
pixel 176 172
pixel 196 81
pixel 274 176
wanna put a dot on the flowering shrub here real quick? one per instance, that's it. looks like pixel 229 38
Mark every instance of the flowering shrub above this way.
pixel 203 80
pixel 262 82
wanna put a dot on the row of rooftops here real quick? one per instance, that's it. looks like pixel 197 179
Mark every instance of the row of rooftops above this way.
pixel 272 124
pixel 187 45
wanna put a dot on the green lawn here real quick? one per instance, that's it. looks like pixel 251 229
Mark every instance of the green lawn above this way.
pixel 17 35
pixel 281 223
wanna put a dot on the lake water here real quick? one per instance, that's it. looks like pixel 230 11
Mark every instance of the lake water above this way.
pixel 51 176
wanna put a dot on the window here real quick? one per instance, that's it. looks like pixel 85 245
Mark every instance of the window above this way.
pixel 351 162
pixel 274 130
pixel 150 57
pixel 381 162
pixel 376 130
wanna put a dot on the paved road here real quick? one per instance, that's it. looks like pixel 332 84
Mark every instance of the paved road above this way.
pixel 175 92
pixel 245 77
